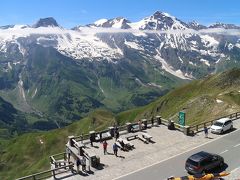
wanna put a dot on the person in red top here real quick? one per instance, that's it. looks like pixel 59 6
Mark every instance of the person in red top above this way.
pixel 105 147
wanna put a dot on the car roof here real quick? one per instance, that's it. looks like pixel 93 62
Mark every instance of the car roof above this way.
pixel 199 156
pixel 222 120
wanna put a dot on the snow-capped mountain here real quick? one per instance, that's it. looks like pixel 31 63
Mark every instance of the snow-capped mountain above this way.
pixel 159 21
pixel 138 60
pixel 224 26
pixel 118 22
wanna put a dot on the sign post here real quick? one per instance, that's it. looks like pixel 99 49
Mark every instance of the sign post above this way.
pixel 182 116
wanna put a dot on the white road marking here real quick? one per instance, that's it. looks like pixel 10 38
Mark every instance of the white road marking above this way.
pixel 237 145
pixel 223 152
pixel 140 169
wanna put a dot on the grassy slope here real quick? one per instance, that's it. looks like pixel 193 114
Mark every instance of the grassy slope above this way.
pixel 199 98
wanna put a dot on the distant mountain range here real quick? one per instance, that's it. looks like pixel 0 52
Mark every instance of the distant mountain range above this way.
pixel 60 75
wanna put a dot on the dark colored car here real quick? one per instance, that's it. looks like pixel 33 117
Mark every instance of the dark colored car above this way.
pixel 202 162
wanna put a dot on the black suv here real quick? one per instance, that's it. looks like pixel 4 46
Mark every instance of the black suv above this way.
pixel 202 162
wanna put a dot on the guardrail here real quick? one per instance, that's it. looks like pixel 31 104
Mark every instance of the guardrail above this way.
pixel 199 127
pixel 49 173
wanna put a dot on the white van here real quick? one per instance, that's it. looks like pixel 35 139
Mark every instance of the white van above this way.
pixel 221 125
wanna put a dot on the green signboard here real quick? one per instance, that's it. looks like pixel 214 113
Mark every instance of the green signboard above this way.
pixel 182 118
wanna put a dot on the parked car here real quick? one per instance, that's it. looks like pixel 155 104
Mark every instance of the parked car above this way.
pixel 202 162
pixel 221 125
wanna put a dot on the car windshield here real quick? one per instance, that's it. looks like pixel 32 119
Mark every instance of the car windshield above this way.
pixel 218 124
pixel 194 163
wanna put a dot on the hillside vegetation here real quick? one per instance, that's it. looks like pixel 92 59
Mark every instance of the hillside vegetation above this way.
pixel 202 100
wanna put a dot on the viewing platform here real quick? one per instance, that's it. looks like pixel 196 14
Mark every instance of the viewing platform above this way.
pixel 153 144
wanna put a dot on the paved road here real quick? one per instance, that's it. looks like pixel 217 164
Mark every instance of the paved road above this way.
pixel 227 146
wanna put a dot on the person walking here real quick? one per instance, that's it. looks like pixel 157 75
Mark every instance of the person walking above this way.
pixel 105 144
pixel 78 163
pixel 206 131
pixel 115 149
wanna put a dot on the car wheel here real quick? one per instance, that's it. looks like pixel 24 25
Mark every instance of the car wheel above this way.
pixel 231 128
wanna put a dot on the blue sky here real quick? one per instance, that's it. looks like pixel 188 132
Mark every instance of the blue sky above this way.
pixel 70 13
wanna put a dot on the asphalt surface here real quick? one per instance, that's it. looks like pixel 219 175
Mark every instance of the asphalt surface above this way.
pixel 228 146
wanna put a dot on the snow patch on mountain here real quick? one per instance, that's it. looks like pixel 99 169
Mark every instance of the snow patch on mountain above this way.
pixel 168 68
pixel 133 45
pixel 100 22
pixel 74 44
pixel 219 101
pixel 205 61
pixel 209 41
pixel 154 85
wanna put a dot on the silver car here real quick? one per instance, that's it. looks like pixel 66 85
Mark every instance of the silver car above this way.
pixel 221 125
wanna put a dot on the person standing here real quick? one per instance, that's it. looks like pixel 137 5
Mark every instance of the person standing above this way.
pixel 78 163
pixel 140 125
pixel 105 144
pixel 116 134
pixel 83 163
pixel 115 149
pixel 206 131
pixel 91 139
pixel 152 121
pixel 68 153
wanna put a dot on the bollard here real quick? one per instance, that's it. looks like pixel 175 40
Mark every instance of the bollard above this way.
pixel 186 130
pixel 171 125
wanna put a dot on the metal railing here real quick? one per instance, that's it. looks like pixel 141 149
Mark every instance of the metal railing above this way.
pixel 199 127
pixel 49 173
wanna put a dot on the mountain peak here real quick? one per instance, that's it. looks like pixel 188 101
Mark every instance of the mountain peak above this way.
pixel 159 14
pixel 196 26
pixel 118 22
pixel 45 22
